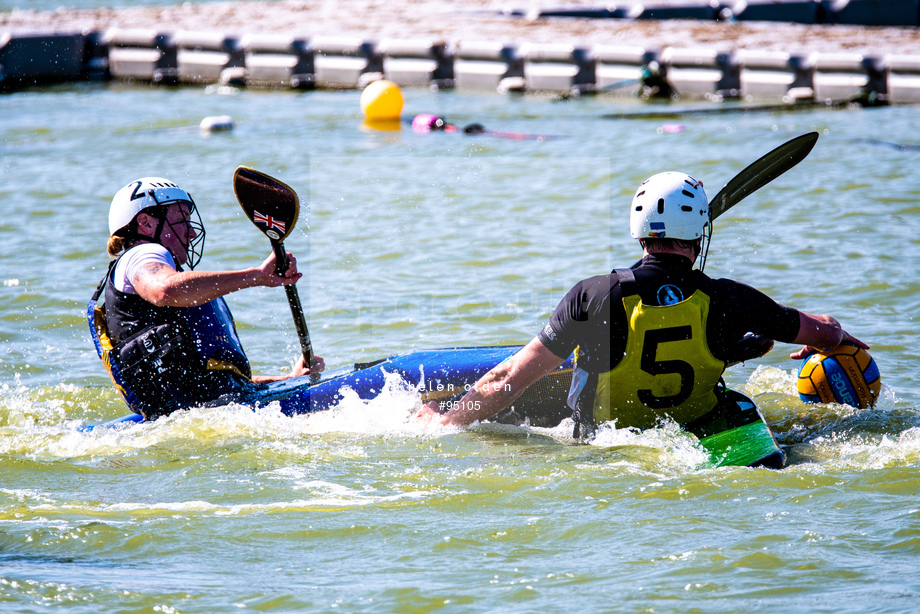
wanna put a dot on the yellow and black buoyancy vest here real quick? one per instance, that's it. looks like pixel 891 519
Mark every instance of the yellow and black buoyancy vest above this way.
pixel 667 370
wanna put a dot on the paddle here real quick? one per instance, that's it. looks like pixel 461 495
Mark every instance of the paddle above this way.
pixel 755 176
pixel 273 207
pixel 761 172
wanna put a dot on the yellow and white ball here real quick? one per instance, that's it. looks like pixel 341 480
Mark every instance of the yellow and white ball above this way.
pixel 382 101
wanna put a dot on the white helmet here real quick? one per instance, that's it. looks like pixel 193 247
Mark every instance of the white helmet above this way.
pixel 156 192
pixel 669 205
pixel 141 194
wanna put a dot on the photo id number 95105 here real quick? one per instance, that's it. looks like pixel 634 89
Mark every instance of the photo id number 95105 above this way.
pixel 450 405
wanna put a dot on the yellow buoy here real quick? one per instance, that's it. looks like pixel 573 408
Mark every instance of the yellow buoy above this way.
pixel 382 101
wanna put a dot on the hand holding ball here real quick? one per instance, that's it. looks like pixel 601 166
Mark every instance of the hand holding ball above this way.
pixel 847 374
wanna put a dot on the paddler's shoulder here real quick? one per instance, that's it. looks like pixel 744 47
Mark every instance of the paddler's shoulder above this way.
pixel 598 286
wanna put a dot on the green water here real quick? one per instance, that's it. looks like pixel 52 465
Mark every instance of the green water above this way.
pixel 423 241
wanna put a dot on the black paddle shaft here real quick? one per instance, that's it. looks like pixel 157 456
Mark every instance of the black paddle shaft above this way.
pixel 273 207
pixel 293 297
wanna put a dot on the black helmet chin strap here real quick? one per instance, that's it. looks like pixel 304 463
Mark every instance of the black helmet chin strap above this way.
pixel 161 221
pixel 134 235
pixel 707 238
pixel 163 210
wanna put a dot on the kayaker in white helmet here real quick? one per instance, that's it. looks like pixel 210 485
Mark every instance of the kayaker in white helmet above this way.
pixel 166 333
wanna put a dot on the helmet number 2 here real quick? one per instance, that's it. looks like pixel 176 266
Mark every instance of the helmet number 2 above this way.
pixel 652 366
pixel 134 194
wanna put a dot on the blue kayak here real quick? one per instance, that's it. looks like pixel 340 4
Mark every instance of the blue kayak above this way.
pixel 733 434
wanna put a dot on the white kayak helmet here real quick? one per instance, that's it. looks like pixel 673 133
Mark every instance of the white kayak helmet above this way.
pixel 669 205
pixel 142 194
pixel 149 192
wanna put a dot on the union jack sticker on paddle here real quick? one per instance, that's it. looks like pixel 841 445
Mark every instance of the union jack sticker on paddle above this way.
pixel 268 221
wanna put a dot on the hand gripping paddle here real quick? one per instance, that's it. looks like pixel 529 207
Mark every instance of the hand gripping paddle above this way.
pixel 273 207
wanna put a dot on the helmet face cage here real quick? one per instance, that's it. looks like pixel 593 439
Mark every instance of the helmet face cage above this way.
pixel 194 249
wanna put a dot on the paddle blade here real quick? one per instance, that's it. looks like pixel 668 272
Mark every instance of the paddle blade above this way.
pixel 762 171
pixel 270 204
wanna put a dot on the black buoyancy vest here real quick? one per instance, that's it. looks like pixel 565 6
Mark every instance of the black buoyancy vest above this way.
pixel 166 358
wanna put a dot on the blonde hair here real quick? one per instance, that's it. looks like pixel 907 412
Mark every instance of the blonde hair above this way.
pixel 116 245
pixel 119 243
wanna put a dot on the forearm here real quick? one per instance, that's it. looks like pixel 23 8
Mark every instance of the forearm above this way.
pixel 819 331
pixel 499 388
pixel 189 288
pixel 492 393
pixel 268 379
